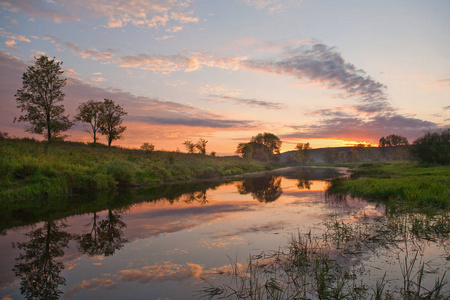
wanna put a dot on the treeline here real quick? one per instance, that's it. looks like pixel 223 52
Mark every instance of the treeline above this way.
pixel 433 147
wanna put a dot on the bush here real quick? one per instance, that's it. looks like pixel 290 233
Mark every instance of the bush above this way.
pixel 148 147
pixel 433 147
pixel 121 170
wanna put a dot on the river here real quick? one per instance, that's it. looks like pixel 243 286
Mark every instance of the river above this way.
pixel 176 241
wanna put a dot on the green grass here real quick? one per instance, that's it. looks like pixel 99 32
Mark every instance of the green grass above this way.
pixel 30 169
pixel 398 184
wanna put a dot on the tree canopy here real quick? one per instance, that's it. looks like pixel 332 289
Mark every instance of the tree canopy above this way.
pixel 394 147
pixel 111 120
pixel 433 147
pixel 262 147
pixel 90 112
pixel 40 96
pixel 303 152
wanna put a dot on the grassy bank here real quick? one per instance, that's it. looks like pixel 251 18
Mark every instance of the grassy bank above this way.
pixel 30 169
pixel 408 184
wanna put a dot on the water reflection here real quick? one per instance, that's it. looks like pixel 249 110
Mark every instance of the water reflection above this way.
pixel 37 266
pixel 264 189
pixel 178 234
pixel 105 237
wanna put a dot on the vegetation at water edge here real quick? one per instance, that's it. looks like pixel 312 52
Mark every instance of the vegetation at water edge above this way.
pixel 29 168
pixel 407 184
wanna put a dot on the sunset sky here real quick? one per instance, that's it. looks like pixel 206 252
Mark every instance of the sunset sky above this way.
pixel 326 72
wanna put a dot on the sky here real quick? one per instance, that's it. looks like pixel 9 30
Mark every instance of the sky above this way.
pixel 331 73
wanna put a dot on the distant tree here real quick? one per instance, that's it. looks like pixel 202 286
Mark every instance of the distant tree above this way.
pixel 255 151
pixel 213 153
pixel 201 146
pixel 190 147
pixel 360 152
pixel 244 149
pixel 263 147
pixel 148 147
pixel 111 120
pixel 91 112
pixel 330 155
pixel 270 140
pixel 394 146
pixel 39 97
pixel 433 147
pixel 393 140
pixel 303 152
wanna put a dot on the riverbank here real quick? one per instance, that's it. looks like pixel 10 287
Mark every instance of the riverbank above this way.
pixel 407 185
pixel 33 169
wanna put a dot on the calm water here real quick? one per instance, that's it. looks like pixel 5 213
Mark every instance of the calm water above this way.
pixel 172 242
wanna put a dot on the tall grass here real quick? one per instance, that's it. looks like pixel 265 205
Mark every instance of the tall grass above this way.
pixel 398 184
pixel 30 169
pixel 329 266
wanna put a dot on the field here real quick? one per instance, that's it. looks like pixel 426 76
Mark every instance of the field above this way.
pixel 31 169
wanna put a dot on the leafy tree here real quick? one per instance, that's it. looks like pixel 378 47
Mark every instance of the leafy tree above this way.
pixel 189 146
pixel 330 155
pixel 393 140
pixel 148 147
pixel 39 97
pixel 263 147
pixel 255 151
pixel 303 152
pixel 91 112
pixel 270 140
pixel 433 147
pixel 201 146
pixel 245 149
pixel 394 146
pixel 111 120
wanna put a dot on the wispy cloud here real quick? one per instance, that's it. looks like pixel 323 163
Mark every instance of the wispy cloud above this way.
pixel 13 37
pixel 118 13
pixel 187 62
pixel 37 9
pixel 193 122
pixel 321 64
pixel 250 102
pixel 272 5
pixel 91 53
pixel 11 44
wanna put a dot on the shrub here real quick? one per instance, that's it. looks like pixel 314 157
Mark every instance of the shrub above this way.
pixel 433 147
pixel 148 147
pixel 121 170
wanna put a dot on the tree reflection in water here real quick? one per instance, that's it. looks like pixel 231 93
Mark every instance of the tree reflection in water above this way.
pixel 264 189
pixel 105 237
pixel 37 268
